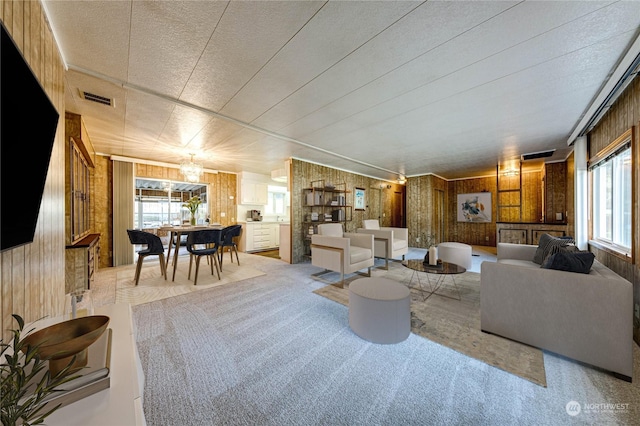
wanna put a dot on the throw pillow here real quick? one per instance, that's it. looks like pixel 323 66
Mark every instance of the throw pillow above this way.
pixel 580 261
pixel 548 245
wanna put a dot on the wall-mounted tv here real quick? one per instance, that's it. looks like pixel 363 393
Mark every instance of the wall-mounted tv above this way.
pixel 28 123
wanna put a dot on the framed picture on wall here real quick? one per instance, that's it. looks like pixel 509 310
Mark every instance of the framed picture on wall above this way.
pixel 358 199
pixel 474 207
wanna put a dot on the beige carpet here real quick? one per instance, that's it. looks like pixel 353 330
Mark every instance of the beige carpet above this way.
pixel 456 323
pixel 152 286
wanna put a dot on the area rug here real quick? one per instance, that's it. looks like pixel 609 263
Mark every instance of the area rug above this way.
pixel 456 323
pixel 152 286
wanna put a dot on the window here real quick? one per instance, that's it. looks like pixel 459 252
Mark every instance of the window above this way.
pixel 159 202
pixel 276 201
pixel 612 196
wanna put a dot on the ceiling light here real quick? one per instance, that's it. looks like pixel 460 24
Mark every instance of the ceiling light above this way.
pixel 279 175
pixel 402 180
pixel 190 170
pixel 511 172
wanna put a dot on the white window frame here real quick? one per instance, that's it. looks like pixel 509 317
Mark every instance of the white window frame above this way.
pixel 609 192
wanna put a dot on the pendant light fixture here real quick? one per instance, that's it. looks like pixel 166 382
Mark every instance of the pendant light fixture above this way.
pixel 191 171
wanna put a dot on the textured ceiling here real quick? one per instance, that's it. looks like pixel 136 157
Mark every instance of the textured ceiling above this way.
pixel 377 88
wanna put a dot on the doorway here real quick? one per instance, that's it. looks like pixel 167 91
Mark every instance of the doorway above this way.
pixel 398 209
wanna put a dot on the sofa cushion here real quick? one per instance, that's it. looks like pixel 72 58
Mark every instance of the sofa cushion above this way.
pixel 358 254
pixel 580 261
pixel 549 245
pixel 519 262
pixel 399 244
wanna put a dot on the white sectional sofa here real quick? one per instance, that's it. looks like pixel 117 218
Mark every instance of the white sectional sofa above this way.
pixel 586 317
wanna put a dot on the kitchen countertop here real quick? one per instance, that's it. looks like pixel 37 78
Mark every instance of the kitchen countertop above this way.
pixel 263 221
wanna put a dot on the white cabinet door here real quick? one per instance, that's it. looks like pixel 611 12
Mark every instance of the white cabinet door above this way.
pixel 254 193
pixel 248 191
pixel 247 236
pixel 261 193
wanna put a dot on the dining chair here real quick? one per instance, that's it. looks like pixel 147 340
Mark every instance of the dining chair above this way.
pixel 229 234
pixel 204 242
pixel 154 247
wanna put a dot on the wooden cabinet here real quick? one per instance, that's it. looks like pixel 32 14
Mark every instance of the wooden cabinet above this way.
pixel 78 203
pixel 82 259
pixel 254 193
pixel 527 233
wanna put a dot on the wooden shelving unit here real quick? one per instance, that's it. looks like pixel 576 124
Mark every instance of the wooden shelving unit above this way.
pixel 323 203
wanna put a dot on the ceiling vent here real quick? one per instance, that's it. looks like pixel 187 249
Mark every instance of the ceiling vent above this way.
pixel 97 98
pixel 539 154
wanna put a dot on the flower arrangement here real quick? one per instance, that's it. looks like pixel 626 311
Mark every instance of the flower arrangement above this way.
pixel 192 205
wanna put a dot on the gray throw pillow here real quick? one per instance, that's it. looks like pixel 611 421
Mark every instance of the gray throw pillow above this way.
pixel 580 261
pixel 549 245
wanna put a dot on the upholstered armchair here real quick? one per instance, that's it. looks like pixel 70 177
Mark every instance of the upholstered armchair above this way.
pixel 389 242
pixel 339 251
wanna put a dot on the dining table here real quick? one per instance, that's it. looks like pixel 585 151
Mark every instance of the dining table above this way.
pixel 175 232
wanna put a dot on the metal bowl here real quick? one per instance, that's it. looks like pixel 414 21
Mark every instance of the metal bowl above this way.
pixel 60 342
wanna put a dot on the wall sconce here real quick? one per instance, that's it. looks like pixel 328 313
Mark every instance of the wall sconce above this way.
pixel 511 172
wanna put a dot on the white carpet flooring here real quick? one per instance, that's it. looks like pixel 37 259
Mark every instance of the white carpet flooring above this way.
pixel 266 350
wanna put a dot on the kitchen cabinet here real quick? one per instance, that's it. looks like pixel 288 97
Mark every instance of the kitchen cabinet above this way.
pixel 258 236
pixel 253 193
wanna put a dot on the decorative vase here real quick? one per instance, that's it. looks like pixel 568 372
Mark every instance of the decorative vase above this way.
pixel 192 221
pixel 433 255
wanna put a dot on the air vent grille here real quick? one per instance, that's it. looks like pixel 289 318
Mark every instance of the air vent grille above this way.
pixel 97 98
pixel 539 154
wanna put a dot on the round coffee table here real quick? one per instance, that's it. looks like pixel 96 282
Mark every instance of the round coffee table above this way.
pixel 440 272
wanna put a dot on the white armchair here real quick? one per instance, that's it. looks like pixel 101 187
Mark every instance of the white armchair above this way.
pixel 389 243
pixel 338 251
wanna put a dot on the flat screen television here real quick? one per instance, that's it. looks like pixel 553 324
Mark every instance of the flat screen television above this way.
pixel 28 123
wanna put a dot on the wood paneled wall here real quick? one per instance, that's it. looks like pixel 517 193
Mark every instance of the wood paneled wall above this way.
pixel 422 220
pixel 622 115
pixel 483 234
pixel 555 187
pixel 379 199
pixel 32 280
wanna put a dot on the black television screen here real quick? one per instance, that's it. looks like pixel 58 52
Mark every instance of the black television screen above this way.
pixel 28 123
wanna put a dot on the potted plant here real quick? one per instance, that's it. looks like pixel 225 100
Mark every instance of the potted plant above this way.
pixel 192 205
pixel 24 392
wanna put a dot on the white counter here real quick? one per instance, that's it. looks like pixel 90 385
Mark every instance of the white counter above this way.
pixel 285 242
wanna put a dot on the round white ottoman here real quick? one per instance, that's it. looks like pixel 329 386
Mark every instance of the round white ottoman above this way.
pixel 379 310
pixel 457 253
